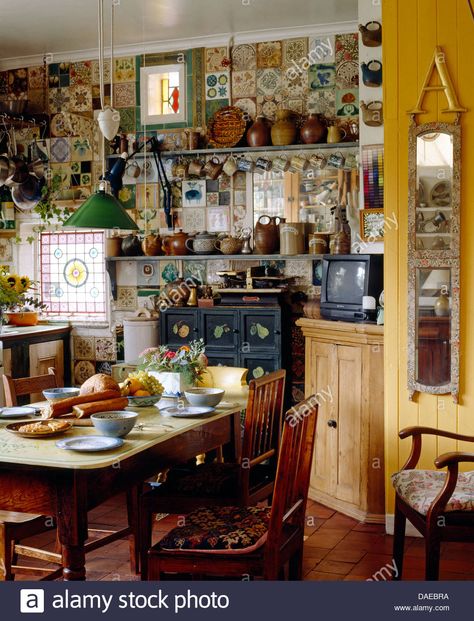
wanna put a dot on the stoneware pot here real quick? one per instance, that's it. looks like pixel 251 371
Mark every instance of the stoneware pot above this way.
pixel 313 129
pixel 229 245
pixel 259 133
pixel 113 246
pixel 152 245
pixel 131 246
pixel 266 235
pixel 202 243
pixel 177 292
pixel 284 130
pixel 175 245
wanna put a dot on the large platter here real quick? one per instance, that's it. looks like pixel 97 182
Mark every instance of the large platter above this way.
pixel 227 127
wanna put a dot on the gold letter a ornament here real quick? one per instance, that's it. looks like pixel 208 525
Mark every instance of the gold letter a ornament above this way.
pixel 439 62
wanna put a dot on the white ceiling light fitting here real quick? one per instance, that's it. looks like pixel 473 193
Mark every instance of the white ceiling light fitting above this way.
pixel 108 118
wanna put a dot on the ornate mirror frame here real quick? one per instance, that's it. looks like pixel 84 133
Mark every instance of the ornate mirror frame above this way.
pixel 434 259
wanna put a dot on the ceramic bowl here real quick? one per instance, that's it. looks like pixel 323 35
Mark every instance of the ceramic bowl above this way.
pixel 116 424
pixel 143 402
pixel 54 394
pixel 203 397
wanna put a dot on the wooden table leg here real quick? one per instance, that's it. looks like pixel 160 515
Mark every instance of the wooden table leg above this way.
pixel 133 508
pixel 72 524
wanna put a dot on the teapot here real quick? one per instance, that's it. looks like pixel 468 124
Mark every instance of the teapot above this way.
pixel 372 73
pixel 229 245
pixel 175 245
pixel 152 245
pixel 131 246
pixel 372 113
pixel 371 34
pixel 202 243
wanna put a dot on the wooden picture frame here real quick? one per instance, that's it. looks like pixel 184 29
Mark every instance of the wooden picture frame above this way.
pixel 372 223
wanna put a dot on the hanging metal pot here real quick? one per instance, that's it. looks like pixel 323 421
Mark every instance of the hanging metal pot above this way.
pixel 7 168
pixel 27 195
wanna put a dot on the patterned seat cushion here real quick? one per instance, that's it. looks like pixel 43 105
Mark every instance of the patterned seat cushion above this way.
pixel 235 530
pixel 419 488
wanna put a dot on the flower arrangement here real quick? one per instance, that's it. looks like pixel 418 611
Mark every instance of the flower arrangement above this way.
pixel 13 293
pixel 190 360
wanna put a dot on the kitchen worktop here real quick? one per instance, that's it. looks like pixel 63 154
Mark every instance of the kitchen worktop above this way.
pixel 9 332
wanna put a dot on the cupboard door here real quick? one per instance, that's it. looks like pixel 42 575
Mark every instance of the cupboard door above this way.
pixel 349 449
pixel 219 358
pixel 178 327
pixel 220 329
pixel 260 330
pixel 43 356
pixel 321 358
pixel 259 366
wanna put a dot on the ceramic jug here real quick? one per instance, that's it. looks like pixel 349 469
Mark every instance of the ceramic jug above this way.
pixel 335 134
pixel 266 236
pixel 175 244
pixel 229 245
pixel 371 34
pixel 313 129
pixel 202 243
pixel 372 73
pixel 258 134
pixel 152 245
pixel 284 130
pixel 372 113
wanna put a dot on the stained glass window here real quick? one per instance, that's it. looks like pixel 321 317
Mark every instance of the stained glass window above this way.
pixel 163 94
pixel 73 274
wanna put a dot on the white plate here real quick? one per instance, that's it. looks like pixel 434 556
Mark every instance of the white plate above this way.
pixel 189 411
pixel 89 444
pixel 17 412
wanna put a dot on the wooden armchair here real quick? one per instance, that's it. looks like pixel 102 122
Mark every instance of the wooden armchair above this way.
pixel 249 541
pixel 439 504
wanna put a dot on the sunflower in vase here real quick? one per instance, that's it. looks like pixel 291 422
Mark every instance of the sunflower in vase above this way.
pixel 16 303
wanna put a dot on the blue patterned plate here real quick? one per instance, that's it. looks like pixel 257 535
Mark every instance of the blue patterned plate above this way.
pixel 89 444
pixel 17 412
pixel 189 411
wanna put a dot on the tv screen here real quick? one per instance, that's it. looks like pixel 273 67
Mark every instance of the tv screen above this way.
pixel 345 282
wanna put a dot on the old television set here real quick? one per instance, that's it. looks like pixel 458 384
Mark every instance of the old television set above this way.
pixel 346 279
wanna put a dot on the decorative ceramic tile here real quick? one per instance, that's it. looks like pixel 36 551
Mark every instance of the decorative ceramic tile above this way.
pixel 147 273
pixel 127 120
pixel 297 105
pixel 347 47
pixel 83 370
pixel 240 197
pixel 248 105
pixel 218 219
pixel 81 149
pixel 127 273
pixel 17 81
pixel 3 82
pixel 268 81
pixel 96 74
pixel 81 98
pixel 124 95
pixel 212 105
pixel 6 250
pixel 224 198
pixel 146 196
pixel 212 185
pixel 224 182
pixel 294 51
pixel 96 172
pixel 127 196
pixel 214 266
pixel 216 59
pixel 84 347
pixel 347 74
pixel 194 219
pixel 267 105
pixel 244 83
pixel 177 194
pixel 195 270
pixel 198 87
pixel 36 77
pixel 148 172
pixel 217 85
pixel 269 54
pixel 322 76
pixel 105 348
pixel 124 70
pixel 37 100
pixel 240 180
pixel 58 100
pixel 244 57
pixel 212 199
pixel 173 140
pixel 61 173
pixel 80 73
pixel 60 150
pixel 294 84
pixel 168 271
pixel 241 218
pixel 194 193
pixel 302 270
pixel 322 102
pixel 104 367
pixel 347 102
pixel 126 298
pixel 322 49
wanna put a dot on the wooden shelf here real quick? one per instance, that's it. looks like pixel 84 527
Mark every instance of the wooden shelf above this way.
pixel 218 257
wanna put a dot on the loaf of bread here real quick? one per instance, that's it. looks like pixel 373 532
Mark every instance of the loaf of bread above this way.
pixel 64 406
pixel 99 383
pixel 86 409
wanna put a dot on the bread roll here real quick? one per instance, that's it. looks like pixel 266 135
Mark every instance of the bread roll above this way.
pixel 86 409
pixel 64 406
pixel 99 383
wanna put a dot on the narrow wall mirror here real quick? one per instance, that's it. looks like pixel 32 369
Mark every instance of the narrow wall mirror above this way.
pixel 433 258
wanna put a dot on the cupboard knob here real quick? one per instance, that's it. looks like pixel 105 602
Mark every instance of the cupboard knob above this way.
pixel 276 332
pixel 235 331
pixel 332 423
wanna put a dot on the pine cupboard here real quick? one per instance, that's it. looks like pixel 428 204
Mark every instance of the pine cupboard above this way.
pixel 344 368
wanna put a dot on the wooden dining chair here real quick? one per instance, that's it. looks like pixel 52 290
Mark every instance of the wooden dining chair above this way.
pixel 439 504
pixel 249 541
pixel 224 377
pixel 247 482
pixel 15 526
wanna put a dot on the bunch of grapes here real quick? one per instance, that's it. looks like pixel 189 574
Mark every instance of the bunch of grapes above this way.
pixel 149 383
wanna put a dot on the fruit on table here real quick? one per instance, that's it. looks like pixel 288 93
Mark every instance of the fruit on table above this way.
pixel 141 393
pixel 140 384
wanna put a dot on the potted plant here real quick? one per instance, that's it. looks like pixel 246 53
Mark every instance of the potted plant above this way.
pixel 176 370
pixel 19 308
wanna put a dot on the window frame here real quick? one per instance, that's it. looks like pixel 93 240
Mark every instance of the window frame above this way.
pixel 159 119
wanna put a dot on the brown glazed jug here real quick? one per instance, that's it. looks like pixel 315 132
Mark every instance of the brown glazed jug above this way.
pixel 152 245
pixel 284 129
pixel 313 129
pixel 259 133
pixel 175 245
pixel 267 235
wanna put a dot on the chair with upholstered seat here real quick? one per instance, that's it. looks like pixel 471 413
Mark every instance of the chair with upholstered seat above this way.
pixel 252 541
pixel 223 377
pixel 439 504
pixel 247 482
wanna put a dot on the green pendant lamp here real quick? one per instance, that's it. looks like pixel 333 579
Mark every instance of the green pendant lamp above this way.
pixel 101 211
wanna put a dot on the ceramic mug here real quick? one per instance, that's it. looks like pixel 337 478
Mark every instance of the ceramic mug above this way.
pixel 230 166
pixel 180 169
pixel 318 160
pixel 281 163
pixel 336 160
pixel 133 169
pixel 299 163
pixel 245 165
pixel 213 168
pixel 263 165
pixel 195 167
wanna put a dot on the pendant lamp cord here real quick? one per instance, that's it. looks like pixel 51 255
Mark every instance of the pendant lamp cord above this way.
pixel 101 72
pixel 112 15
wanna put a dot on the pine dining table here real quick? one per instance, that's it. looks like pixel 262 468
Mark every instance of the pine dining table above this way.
pixel 38 477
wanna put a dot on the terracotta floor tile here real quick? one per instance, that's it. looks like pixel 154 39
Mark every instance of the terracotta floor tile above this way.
pixel 335 567
pixel 341 521
pixel 370 528
pixel 372 564
pixel 327 539
pixel 345 555
pixel 320 511
pixel 320 575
